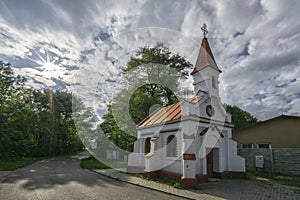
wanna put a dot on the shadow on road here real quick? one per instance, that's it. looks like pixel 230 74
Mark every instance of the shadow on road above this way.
pixel 56 172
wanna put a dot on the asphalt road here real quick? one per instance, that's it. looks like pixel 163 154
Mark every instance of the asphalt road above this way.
pixel 63 178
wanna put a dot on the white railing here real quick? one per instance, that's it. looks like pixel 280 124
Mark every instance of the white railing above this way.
pixel 136 159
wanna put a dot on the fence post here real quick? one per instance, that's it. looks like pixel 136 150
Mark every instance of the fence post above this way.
pixel 272 160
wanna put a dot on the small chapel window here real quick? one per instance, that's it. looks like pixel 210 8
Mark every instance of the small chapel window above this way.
pixel 247 146
pixel 264 146
pixel 171 146
pixel 213 82
pixel 147 145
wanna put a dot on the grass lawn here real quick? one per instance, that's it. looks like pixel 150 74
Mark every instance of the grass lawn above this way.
pixel 92 163
pixel 275 178
pixel 16 163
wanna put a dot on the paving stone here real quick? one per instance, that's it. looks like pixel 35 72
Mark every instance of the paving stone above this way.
pixel 223 189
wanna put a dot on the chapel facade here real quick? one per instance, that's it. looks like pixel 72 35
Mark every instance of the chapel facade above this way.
pixel 191 140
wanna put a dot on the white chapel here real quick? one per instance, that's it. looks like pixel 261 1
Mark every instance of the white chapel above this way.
pixel 191 140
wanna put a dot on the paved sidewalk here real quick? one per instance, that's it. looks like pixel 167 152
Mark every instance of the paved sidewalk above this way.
pixel 224 189
pixel 153 185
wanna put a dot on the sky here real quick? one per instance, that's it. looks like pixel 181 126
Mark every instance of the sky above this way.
pixel 82 46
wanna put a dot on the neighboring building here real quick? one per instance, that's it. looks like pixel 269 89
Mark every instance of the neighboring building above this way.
pixel 279 132
pixel 190 140
pixel 275 142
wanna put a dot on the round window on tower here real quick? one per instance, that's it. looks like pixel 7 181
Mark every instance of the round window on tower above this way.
pixel 210 110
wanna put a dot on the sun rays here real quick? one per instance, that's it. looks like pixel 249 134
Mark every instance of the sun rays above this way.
pixel 48 67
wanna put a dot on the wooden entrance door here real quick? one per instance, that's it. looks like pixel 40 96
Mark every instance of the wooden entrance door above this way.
pixel 147 145
pixel 210 163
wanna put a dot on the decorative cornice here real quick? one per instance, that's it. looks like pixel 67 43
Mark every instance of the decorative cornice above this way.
pixel 169 130
pixel 185 136
pixel 154 138
pixel 149 155
pixel 212 126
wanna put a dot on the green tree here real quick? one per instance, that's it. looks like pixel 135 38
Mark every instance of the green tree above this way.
pixel 85 120
pixel 159 54
pixel 34 122
pixel 16 137
pixel 115 134
pixel 161 83
pixel 151 77
pixel 240 118
pixel 56 132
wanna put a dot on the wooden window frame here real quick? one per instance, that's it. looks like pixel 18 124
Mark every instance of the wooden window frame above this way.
pixel 171 146
pixel 257 146
pixel 247 147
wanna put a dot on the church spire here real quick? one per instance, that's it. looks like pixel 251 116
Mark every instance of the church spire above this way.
pixel 205 56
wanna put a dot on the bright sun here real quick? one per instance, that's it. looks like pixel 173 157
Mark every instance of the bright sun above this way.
pixel 47 66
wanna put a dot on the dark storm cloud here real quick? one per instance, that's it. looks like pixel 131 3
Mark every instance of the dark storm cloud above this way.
pixel 255 43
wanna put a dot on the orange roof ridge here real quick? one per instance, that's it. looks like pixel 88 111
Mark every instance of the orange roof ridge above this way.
pixel 150 115
pixel 195 99
pixel 167 113
pixel 160 115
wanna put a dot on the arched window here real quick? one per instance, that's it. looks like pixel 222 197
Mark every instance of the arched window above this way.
pixel 171 146
pixel 213 80
pixel 147 145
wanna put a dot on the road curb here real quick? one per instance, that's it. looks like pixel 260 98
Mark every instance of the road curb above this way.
pixel 136 184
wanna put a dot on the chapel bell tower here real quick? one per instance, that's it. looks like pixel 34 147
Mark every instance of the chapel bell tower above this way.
pixel 206 72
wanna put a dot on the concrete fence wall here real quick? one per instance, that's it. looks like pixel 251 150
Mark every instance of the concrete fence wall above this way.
pixel 278 160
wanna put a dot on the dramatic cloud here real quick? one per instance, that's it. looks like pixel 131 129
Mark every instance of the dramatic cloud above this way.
pixel 81 46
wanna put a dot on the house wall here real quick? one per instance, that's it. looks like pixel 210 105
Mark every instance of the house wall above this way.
pixel 236 163
pixel 159 160
pixel 175 166
pixel 172 164
pixel 202 146
pixel 278 160
pixel 281 132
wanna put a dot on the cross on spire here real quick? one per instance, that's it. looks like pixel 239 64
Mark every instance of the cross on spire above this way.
pixel 204 29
